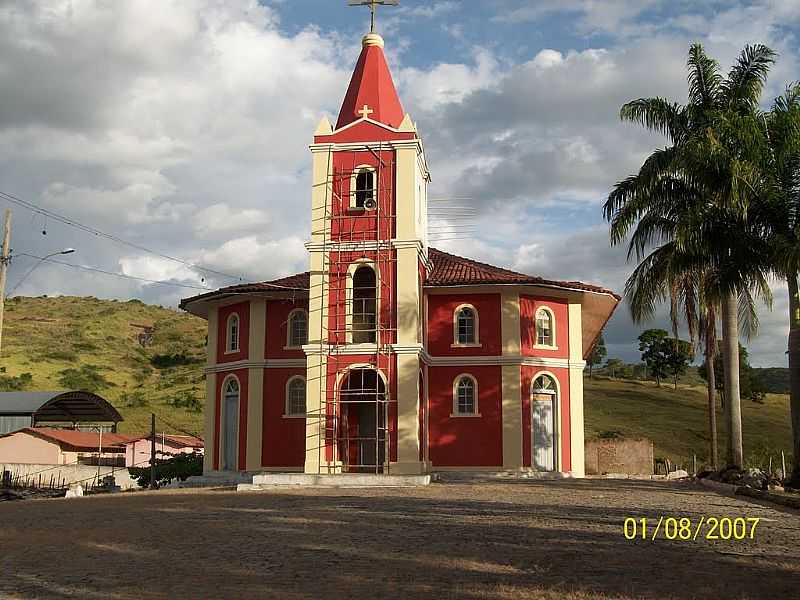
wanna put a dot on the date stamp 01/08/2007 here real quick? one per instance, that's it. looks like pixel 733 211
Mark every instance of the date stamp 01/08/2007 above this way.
pixel 685 529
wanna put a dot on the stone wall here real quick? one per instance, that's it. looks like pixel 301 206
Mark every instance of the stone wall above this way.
pixel 629 456
pixel 66 474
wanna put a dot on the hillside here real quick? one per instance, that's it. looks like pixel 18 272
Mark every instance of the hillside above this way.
pixel 93 344
pixel 69 342
pixel 676 420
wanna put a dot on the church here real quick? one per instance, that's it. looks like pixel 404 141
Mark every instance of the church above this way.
pixel 389 356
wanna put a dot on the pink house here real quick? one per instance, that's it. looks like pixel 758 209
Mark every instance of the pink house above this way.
pixel 137 451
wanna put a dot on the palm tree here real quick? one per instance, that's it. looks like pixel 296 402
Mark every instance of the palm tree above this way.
pixel 686 209
pixel 781 211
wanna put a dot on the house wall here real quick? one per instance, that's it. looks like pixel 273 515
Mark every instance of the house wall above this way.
pixel 66 474
pixel 465 441
pixel 243 310
pixel 137 453
pixel 283 438
pixel 24 448
pixel 441 309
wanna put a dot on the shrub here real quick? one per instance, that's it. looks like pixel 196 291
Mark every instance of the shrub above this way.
pixel 15 384
pixel 180 467
pixel 134 399
pixel 86 377
pixel 187 400
pixel 165 361
pixel 67 355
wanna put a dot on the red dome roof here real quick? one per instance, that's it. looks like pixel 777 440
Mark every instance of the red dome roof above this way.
pixel 372 87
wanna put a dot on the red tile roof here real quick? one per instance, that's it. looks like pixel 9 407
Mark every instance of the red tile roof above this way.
pixel 448 270
pixel 185 441
pixel 78 440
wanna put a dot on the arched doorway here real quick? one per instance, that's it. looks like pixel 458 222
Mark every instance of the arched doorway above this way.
pixel 361 437
pixel 544 430
pixel 230 425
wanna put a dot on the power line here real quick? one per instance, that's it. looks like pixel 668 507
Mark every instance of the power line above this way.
pixel 96 232
pixel 120 275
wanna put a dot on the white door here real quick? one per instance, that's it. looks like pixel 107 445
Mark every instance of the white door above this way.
pixel 543 435
pixel 231 439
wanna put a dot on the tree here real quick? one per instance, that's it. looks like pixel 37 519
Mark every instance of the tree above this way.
pixel 686 208
pixel 780 213
pixel 679 354
pixel 613 365
pixel 653 344
pixel 752 385
pixel 597 354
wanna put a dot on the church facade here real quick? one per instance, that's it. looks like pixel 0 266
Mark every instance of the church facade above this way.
pixel 389 356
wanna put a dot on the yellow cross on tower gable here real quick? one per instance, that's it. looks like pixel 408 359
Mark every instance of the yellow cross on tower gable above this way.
pixel 366 111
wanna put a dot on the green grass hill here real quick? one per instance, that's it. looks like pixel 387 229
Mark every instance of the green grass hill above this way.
pixel 86 343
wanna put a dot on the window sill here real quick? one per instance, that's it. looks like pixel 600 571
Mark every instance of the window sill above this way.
pixel 292 347
pixel 540 347
pixel 293 416
pixel 466 345
pixel 354 210
pixel 465 415
pixel 227 352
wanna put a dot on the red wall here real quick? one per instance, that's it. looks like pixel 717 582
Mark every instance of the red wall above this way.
pixel 277 327
pixel 362 131
pixel 528 305
pixel 527 376
pixel 283 439
pixel 241 374
pixel 243 310
pixel 440 324
pixel 465 441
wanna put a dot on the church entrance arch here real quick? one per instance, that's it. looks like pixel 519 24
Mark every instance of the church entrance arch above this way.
pixel 362 430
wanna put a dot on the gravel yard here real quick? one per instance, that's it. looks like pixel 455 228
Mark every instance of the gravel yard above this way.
pixel 526 539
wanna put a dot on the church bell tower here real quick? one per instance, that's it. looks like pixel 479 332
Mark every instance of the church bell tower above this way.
pixel 368 257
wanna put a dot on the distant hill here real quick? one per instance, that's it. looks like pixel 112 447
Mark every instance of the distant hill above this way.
pixel 69 342
pixel 776 379
pixel 676 420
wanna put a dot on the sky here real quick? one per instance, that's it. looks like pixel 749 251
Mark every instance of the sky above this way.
pixel 182 128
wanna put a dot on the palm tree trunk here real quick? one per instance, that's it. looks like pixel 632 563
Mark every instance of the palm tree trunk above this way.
pixel 794 372
pixel 730 359
pixel 711 383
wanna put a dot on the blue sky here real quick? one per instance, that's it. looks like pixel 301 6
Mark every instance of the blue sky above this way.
pixel 185 129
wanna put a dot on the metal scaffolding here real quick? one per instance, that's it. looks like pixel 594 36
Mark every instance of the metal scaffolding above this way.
pixel 357 225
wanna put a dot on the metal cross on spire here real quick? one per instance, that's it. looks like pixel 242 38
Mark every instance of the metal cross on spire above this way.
pixel 373 4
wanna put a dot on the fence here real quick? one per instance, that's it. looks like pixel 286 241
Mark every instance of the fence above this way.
pixel 17 475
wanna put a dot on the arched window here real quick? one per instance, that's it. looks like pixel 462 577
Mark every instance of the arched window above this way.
pixel 296 397
pixel 297 330
pixel 465 396
pixel 545 328
pixel 364 305
pixel 230 424
pixel 364 188
pixel 232 337
pixel 465 325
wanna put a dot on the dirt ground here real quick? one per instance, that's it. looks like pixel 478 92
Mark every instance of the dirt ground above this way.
pixel 526 539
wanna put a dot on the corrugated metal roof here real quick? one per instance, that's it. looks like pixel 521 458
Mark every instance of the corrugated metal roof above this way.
pixel 25 403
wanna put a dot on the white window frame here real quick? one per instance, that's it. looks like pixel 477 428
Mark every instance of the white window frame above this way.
pixel 351 271
pixel 456 381
pixel 287 413
pixel 289 345
pixel 356 171
pixel 551 314
pixel 477 340
pixel 230 348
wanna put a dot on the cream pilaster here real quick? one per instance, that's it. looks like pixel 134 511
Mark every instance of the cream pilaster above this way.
pixel 576 390
pixel 511 399
pixel 321 191
pixel 408 442
pixel 255 384
pixel 211 391
pixel 316 366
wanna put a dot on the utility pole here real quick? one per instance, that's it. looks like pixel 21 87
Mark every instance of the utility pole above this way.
pixel 152 451
pixel 4 260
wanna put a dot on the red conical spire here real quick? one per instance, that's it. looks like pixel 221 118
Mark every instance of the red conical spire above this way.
pixel 371 92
